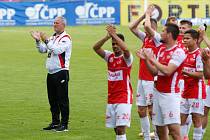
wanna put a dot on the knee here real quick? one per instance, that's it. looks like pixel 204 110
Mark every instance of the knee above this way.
pixel 197 122
pixel 142 112
pixel 120 130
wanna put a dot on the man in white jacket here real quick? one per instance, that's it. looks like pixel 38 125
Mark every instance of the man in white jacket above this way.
pixel 58 47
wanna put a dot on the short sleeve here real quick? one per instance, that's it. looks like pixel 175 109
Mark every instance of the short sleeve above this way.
pixel 107 54
pixel 129 60
pixel 157 39
pixel 178 57
pixel 141 35
pixel 199 63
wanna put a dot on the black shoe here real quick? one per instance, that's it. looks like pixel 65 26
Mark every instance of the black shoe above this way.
pixel 62 128
pixel 51 126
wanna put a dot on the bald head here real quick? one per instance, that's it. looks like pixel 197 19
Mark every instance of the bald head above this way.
pixel 59 24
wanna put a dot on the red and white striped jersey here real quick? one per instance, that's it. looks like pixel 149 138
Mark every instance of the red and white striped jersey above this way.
pixel 208 82
pixel 119 86
pixel 180 38
pixel 59 52
pixel 180 43
pixel 175 55
pixel 150 44
pixel 194 87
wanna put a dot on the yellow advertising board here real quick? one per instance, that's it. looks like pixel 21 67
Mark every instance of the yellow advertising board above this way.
pixel 132 9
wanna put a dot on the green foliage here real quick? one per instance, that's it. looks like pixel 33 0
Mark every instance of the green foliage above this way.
pixel 24 108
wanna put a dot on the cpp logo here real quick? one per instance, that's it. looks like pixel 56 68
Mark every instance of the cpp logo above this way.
pixel 41 11
pixel 92 10
pixel 8 13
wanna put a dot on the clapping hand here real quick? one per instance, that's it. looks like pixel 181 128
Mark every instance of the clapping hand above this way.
pixel 43 36
pixel 140 53
pixel 111 29
pixel 36 35
pixel 205 54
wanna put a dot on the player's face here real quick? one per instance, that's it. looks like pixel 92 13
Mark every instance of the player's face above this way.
pixel 58 25
pixel 116 49
pixel 183 28
pixel 188 41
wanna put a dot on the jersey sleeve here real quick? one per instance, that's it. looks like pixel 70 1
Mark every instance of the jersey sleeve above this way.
pixel 107 54
pixel 42 48
pixel 199 63
pixel 178 57
pixel 141 35
pixel 157 39
pixel 129 60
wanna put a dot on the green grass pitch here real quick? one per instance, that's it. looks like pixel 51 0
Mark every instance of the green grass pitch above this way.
pixel 24 108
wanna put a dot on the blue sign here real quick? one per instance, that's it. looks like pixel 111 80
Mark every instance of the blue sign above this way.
pixel 33 14
pixel 75 12
pixel 95 12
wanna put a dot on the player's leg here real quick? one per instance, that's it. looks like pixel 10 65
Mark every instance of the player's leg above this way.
pixel 185 111
pixel 205 120
pixel 120 133
pixel 162 132
pixel 123 117
pixel 142 109
pixel 197 111
pixel 206 109
pixel 174 130
pixel 197 121
pixel 183 126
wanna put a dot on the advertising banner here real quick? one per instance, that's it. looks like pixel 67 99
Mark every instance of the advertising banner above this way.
pixel 198 11
pixel 33 14
pixel 75 12
pixel 95 12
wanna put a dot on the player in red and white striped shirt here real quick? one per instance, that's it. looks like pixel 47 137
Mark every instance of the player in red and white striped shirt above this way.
pixel 144 95
pixel 119 62
pixel 167 67
pixel 194 87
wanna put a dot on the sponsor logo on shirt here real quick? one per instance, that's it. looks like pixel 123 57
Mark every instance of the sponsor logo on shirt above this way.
pixel 115 76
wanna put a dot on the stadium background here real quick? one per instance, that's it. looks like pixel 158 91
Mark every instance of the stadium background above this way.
pixel 24 108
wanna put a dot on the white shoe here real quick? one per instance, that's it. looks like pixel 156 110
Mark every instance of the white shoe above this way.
pixel 152 135
pixel 141 134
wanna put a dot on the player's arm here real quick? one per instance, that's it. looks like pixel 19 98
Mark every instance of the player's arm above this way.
pixel 39 45
pixel 206 69
pixel 206 63
pixel 176 60
pixel 97 47
pixel 148 26
pixel 134 27
pixel 112 32
pixel 166 70
pixel 205 39
pixel 198 74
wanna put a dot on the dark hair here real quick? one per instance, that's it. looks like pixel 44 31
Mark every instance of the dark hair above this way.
pixel 173 29
pixel 186 22
pixel 121 36
pixel 194 34
pixel 170 18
